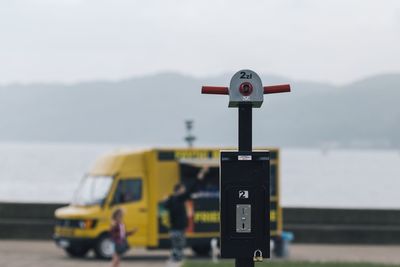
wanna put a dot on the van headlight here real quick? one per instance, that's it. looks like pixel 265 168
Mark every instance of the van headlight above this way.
pixel 87 224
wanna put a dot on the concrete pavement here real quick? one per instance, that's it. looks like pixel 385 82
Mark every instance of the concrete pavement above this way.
pixel 45 254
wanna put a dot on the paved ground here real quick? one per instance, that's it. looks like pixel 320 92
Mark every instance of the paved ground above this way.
pixel 45 254
pixel 375 254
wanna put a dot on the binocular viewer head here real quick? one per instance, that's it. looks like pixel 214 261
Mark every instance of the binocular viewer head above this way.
pixel 246 88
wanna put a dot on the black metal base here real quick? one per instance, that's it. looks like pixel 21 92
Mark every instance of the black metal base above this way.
pixel 244 263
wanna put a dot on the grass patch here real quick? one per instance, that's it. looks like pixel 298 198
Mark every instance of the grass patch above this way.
pixel 230 263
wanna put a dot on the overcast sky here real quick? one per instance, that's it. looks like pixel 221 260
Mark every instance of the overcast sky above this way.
pixel 74 40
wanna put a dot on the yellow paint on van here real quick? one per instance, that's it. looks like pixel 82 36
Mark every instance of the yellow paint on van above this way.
pixel 158 169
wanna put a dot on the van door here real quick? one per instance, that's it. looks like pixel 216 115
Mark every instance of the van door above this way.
pixel 131 197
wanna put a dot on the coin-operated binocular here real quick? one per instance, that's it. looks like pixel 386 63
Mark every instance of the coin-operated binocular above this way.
pixel 246 88
pixel 244 176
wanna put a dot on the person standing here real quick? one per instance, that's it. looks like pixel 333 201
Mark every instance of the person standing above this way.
pixel 118 237
pixel 175 204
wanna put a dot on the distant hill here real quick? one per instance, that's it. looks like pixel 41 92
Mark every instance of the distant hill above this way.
pixel 151 110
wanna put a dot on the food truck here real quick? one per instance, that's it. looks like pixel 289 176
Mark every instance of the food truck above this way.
pixel 137 182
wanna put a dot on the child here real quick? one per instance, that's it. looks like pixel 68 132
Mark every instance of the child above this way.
pixel 118 236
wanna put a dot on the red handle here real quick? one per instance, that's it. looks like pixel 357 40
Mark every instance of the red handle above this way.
pixel 215 90
pixel 221 90
pixel 274 89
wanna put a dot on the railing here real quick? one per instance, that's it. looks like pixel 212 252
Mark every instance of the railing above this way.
pixel 309 225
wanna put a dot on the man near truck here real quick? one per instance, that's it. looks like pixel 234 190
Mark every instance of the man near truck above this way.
pixel 175 204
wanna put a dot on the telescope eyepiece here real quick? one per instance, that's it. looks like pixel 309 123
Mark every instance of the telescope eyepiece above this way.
pixel 246 89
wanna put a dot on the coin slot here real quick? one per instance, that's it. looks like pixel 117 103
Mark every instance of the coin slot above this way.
pixel 243 218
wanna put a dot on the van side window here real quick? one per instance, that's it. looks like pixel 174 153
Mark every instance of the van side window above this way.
pixel 129 190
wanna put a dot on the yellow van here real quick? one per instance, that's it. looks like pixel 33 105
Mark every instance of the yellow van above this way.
pixel 137 181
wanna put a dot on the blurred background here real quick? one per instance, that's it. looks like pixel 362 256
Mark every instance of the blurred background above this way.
pixel 80 78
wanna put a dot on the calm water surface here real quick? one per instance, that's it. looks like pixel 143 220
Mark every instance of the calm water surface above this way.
pixel 309 177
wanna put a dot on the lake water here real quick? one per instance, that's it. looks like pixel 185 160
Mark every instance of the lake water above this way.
pixel 309 177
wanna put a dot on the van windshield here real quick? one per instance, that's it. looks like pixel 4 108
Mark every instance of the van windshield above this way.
pixel 92 190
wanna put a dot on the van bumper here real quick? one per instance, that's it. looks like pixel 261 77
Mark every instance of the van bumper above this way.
pixel 69 242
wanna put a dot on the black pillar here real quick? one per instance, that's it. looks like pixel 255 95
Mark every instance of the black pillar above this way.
pixel 244 263
pixel 245 144
pixel 245 127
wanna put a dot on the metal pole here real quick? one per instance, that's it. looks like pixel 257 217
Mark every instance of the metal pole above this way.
pixel 244 263
pixel 245 144
pixel 245 127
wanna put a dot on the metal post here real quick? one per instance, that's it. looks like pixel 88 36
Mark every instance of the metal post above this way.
pixel 245 144
pixel 244 263
pixel 245 127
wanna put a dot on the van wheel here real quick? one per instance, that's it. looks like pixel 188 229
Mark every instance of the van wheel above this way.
pixel 104 247
pixel 202 250
pixel 77 252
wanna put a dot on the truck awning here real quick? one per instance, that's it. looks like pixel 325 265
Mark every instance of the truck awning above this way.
pixel 200 162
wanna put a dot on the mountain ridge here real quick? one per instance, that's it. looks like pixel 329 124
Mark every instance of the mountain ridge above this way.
pixel 151 109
